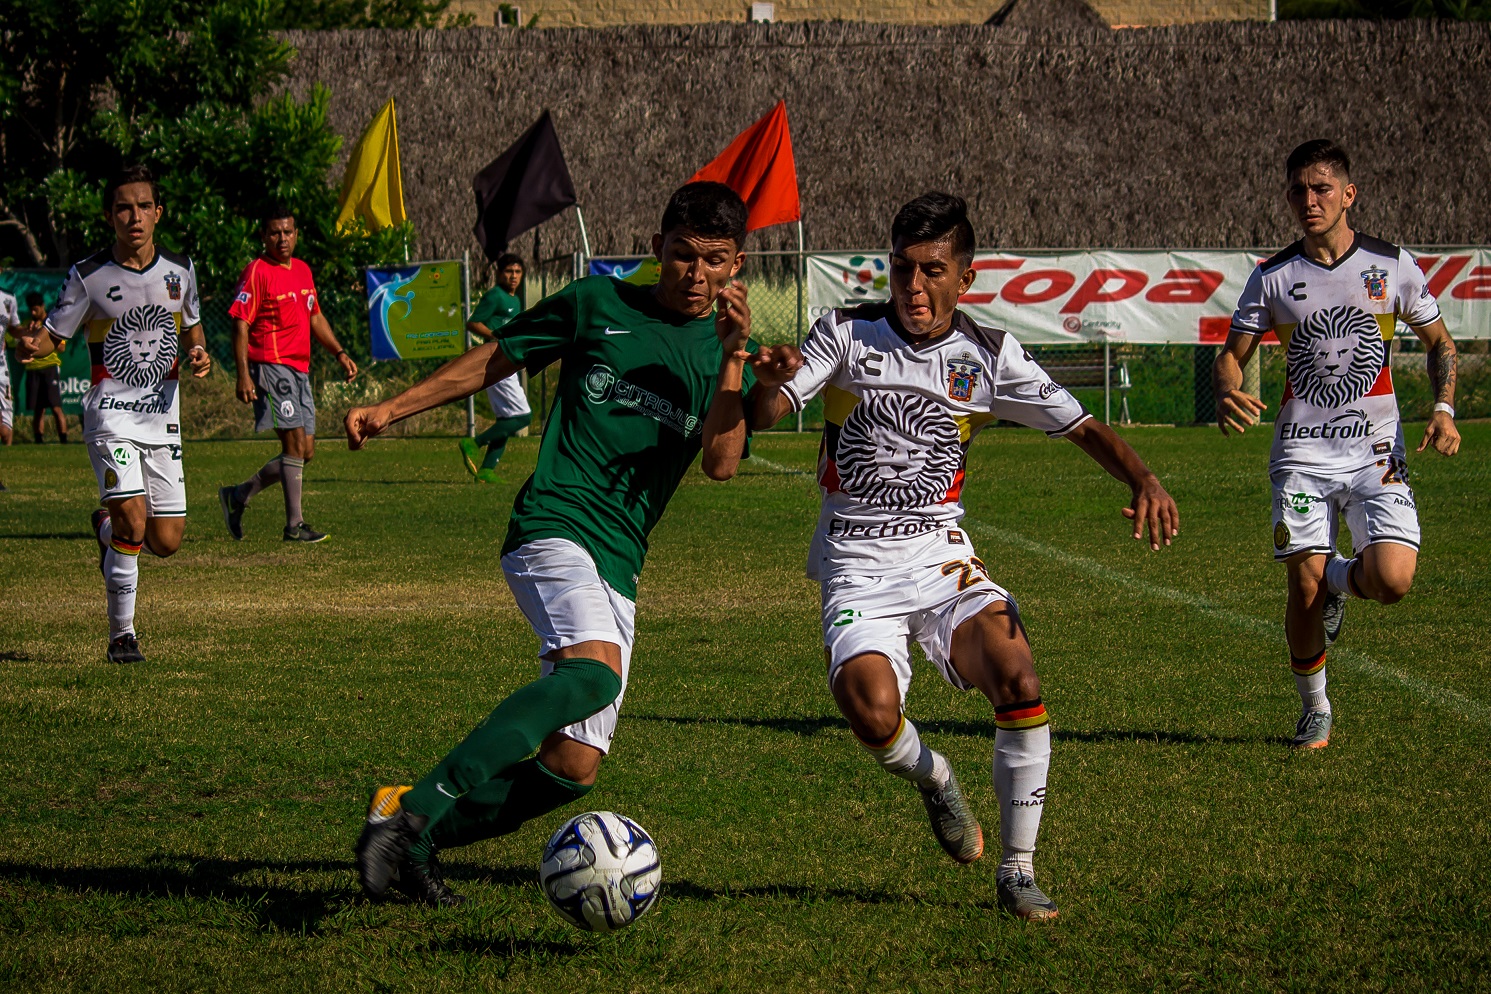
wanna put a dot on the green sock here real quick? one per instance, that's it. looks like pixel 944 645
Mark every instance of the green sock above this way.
pixel 575 690
pixel 518 794
pixel 494 453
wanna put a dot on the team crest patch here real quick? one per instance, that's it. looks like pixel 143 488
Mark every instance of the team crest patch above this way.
pixel 1375 280
pixel 111 479
pixel 1281 535
pixel 962 377
pixel 173 286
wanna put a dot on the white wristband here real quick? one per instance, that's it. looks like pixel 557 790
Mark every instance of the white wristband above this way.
pixel 1447 409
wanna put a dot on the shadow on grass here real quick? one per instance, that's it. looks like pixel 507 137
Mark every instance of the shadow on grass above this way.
pixel 808 727
pixel 175 877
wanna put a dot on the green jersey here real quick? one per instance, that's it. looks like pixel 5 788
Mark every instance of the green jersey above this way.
pixel 628 419
pixel 496 308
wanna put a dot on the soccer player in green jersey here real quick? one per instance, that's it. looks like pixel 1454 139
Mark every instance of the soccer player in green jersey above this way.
pixel 650 376
pixel 508 398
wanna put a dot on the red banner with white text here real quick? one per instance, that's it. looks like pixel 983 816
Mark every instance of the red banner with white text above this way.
pixel 1183 297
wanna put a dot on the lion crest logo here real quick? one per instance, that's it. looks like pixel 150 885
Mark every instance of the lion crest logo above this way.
pixel 1335 355
pixel 140 349
pixel 898 451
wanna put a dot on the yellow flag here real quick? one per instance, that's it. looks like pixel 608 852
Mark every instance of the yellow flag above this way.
pixel 373 187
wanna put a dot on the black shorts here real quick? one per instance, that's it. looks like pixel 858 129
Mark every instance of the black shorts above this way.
pixel 43 389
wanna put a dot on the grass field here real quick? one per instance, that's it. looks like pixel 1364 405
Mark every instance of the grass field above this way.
pixel 187 823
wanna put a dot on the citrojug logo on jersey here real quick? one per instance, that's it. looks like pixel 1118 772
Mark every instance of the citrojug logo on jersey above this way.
pixel 140 348
pixel 602 384
pixel 898 451
pixel 1335 355
pixel 962 377
pixel 173 286
pixel 1375 280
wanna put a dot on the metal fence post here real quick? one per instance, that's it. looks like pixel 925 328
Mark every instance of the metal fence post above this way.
pixel 1107 383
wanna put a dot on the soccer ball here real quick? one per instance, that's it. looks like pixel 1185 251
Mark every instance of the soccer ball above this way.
pixel 601 871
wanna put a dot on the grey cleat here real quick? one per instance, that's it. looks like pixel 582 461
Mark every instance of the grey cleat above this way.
pixel 1334 616
pixel 952 820
pixel 423 883
pixel 125 649
pixel 1019 896
pixel 386 837
pixel 233 509
pixel 1313 731
pixel 303 533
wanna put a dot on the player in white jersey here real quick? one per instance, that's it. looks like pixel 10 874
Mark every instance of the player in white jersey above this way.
pixel 139 307
pixel 1334 299
pixel 10 319
pixel 907 385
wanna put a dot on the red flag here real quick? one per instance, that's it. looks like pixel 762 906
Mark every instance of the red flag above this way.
pixel 758 165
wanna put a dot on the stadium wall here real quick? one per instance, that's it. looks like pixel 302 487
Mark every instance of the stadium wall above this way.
pixel 1151 137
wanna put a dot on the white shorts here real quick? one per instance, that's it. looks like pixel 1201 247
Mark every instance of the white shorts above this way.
pixel 1377 501
pixel 7 406
pixel 884 613
pixel 130 469
pixel 559 591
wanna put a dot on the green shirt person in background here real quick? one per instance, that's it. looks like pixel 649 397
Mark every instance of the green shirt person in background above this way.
pixel 508 397
pixel 650 378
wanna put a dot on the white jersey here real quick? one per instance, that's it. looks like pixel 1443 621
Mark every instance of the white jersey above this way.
pixel 134 319
pixel 898 419
pixel 1336 323
pixel 10 317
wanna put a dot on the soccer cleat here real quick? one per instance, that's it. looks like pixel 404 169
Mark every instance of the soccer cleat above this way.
pixel 1019 896
pixel 1313 731
pixel 423 883
pixel 952 820
pixel 304 533
pixel 125 649
pixel 385 840
pixel 485 475
pixel 233 509
pixel 1334 616
pixel 470 454
pixel 97 519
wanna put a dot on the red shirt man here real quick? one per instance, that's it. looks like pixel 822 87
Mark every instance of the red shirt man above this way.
pixel 277 303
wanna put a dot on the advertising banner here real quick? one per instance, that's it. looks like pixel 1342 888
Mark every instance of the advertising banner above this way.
pixel 1143 296
pixel 643 271
pixel 414 311
pixel 75 375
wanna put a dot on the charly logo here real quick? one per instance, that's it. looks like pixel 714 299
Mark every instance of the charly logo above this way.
pixel 1335 355
pixel 140 348
pixel 898 451
pixel 962 377
pixel 1037 799
pixel 1375 280
pixel 598 383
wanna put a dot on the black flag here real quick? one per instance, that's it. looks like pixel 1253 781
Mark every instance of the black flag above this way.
pixel 522 188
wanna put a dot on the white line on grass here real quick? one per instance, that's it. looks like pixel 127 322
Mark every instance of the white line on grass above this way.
pixel 1445 697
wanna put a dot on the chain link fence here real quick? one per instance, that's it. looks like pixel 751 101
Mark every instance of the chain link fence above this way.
pixel 1149 384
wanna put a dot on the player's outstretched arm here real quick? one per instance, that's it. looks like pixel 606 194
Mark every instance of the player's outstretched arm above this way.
pixel 459 378
pixel 1443 359
pixel 196 351
pixel 1235 409
pixel 724 424
pixel 35 346
pixel 1151 506
pixel 774 365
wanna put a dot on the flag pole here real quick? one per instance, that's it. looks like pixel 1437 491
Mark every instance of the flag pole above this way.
pixel 584 236
pixel 802 274
pixel 465 317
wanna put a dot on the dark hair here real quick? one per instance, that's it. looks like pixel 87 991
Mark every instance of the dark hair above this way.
pixel 1319 151
pixel 274 212
pixel 35 299
pixel 511 259
pixel 931 218
pixel 709 209
pixel 126 176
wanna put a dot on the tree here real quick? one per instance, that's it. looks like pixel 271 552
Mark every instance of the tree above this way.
pixel 1454 10
pixel 185 86
pixel 327 15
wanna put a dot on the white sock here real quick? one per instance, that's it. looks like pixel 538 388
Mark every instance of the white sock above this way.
pixel 904 755
pixel 121 577
pixel 1337 569
pixel 1309 680
pixel 1022 756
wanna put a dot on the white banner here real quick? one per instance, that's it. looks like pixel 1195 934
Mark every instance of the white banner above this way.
pixel 1145 296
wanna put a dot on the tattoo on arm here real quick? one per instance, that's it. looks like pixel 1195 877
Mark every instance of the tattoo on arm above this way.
pixel 1442 361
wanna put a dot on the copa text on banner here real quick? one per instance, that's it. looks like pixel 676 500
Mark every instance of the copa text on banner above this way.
pixel 1144 296
pixel 415 311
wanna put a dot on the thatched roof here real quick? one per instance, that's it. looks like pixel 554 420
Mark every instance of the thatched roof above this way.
pixel 1150 137
pixel 1047 15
